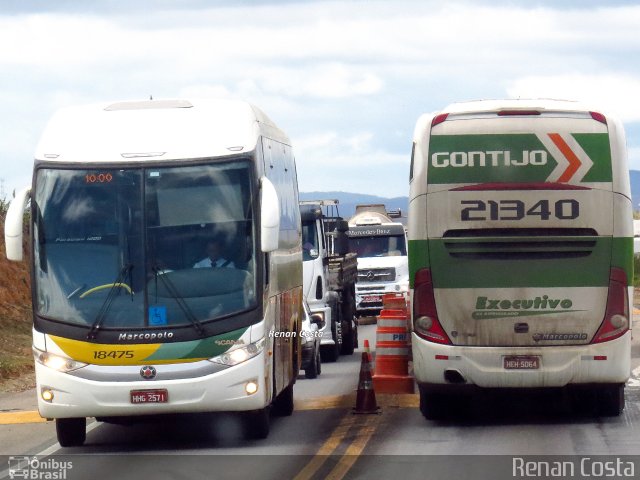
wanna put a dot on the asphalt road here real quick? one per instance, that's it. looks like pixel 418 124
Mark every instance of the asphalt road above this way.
pixel 323 439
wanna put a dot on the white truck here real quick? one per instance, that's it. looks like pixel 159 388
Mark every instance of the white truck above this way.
pixel 329 276
pixel 381 246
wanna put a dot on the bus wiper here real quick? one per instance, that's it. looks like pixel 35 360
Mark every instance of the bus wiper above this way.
pixel 106 305
pixel 173 291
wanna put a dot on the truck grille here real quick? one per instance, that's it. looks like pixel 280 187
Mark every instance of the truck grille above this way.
pixel 374 275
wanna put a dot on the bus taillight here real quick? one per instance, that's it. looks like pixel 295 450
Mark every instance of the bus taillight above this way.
pixel 426 323
pixel 616 318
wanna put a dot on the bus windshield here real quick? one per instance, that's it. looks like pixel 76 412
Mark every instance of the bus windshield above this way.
pixel 378 246
pixel 125 247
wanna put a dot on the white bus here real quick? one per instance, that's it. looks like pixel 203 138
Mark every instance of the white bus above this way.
pixel 128 200
pixel 520 252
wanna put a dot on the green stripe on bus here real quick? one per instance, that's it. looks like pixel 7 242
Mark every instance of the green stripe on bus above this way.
pixel 205 348
pixel 515 268
pixel 622 256
pixel 509 158
pixel 597 148
pixel 581 271
pixel 418 257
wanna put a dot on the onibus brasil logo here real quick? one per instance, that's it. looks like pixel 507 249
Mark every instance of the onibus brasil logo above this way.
pixel 490 308
pixel 31 467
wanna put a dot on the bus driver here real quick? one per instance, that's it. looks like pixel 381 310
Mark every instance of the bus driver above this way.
pixel 214 256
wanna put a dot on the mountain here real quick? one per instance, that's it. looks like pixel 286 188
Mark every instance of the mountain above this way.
pixel 348 201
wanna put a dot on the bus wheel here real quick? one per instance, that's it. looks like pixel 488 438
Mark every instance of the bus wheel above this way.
pixel 611 400
pixel 283 404
pixel 71 432
pixel 433 406
pixel 256 424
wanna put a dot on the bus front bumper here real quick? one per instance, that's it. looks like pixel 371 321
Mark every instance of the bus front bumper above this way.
pixel 220 391
pixel 443 367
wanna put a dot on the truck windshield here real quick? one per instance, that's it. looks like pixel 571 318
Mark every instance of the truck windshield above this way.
pixel 126 246
pixel 378 246
pixel 310 249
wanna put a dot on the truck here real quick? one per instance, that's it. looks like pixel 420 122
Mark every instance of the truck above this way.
pixel 380 242
pixel 329 276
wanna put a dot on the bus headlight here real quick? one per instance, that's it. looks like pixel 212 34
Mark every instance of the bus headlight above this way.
pixel 240 355
pixel 56 362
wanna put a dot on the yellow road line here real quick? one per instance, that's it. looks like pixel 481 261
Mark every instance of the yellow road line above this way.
pixel 22 416
pixel 322 403
pixel 355 449
pixel 334 440
pixel 386 400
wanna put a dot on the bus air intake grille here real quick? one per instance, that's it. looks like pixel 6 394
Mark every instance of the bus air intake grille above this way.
pixel 520 243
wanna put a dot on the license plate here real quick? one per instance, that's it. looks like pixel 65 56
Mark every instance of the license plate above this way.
pixel 521 362
pixel 372 298
pixel 149 396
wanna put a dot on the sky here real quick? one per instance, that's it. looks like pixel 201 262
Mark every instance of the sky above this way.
pixel 346 80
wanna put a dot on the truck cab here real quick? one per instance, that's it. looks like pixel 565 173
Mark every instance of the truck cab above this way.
pixel 381 246
pixel 329 276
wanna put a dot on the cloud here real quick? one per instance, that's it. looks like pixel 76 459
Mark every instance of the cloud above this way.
pixel 614 93
pixel 346 80
pixel 330 161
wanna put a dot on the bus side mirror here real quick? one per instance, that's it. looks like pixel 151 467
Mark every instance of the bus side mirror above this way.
pixel 13 225
pixel 269 216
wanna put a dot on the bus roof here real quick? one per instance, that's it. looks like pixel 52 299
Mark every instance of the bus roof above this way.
pixel 154 130
pixel 539 104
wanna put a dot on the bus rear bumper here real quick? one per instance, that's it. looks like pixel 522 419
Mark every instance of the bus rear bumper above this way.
pixel 220 391
pixel 442 367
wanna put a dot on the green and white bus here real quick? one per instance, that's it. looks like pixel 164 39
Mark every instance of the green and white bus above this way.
pixel 128 201
pixel 520 252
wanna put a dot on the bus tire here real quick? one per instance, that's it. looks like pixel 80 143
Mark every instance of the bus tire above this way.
pixel 256 424
pixel 433 406
pixel 610 400
pixel 71 432
pixel 283 404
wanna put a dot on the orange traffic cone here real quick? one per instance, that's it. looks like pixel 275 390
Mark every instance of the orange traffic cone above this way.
pixel 367 350
pixel 392 353
pixel 366 396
